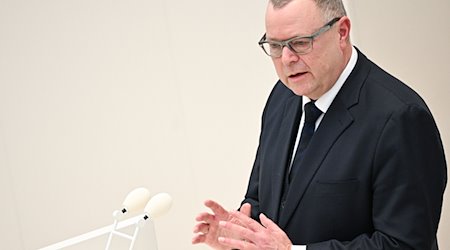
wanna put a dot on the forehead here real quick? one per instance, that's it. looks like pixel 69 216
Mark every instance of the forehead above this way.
pixel 297 18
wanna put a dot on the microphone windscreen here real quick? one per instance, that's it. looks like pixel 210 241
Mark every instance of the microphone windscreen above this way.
pixel 158 205
pixel 136 199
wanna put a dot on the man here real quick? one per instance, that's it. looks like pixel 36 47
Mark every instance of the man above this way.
pixel 369 174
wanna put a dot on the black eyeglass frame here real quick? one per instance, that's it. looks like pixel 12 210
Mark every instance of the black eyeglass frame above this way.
pixel 287 43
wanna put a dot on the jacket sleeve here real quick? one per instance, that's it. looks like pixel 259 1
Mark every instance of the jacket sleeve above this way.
pixel 252 191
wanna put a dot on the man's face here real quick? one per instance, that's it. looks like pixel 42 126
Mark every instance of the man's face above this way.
pixel 314 73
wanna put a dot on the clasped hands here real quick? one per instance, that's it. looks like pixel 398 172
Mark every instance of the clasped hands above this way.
pixel 226 230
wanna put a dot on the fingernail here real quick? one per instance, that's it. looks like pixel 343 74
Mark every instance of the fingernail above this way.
pixel 222 223
pixel 262 215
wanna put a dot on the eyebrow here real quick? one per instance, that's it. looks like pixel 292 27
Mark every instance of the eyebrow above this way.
pixel 330 23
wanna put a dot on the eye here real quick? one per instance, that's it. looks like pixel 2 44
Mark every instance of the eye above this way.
pixel 274 46
pixel 300 43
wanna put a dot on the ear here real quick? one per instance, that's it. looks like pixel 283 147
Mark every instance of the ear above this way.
pixel 344 30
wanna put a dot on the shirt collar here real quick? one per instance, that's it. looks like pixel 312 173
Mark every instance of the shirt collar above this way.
pixel 324 102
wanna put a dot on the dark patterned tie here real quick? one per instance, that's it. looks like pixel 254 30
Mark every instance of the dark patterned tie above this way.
pixel 311 115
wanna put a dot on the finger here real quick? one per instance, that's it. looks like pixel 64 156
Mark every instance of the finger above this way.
pixel 215 207
pixel 247 221
pixel 246 209
pixel 236 244
pixel 205 217
pixel 268 223
pixel 199 238
pixel 236 229
pixel 201 228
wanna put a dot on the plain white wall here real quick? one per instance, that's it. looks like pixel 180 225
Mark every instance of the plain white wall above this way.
pixel 99 97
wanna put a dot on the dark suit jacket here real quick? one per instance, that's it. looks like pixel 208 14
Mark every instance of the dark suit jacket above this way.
pixel 372 177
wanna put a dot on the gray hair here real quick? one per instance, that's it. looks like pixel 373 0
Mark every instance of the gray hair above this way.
pixel 329 8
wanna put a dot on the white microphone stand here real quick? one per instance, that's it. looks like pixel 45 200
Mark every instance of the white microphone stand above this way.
pixel 94 234
pixel 138 223
pixel 135 200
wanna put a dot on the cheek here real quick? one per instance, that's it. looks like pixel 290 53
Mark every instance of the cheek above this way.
pixel 318 65
pixel 279 69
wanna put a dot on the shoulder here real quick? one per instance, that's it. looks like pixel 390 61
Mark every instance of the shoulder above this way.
pixel 393 89
pixel 375 88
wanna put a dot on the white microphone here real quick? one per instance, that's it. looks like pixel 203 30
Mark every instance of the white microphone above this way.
pixel 157 206
pixel 135 200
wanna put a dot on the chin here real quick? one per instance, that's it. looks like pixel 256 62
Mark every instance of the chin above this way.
pixel 299 88
pixel 296 89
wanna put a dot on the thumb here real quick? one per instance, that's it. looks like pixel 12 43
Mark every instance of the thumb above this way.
pixel 268 223
pixel 246 209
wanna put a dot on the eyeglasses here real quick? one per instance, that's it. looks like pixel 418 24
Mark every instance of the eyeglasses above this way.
pixel 300 44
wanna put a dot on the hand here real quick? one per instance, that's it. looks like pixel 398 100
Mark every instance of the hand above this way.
pixel 208 230
pixel 254 236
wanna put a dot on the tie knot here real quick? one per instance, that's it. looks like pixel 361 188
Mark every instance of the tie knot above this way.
pixel 311 112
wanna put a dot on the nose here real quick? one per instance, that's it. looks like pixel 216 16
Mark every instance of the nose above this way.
pixel 288 56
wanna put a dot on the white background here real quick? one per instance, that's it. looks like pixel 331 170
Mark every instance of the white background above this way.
pixel 98 97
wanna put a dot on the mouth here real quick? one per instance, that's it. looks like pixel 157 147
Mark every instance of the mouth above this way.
pixel 297 75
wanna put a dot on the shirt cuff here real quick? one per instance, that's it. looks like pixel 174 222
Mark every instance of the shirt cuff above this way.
pixel 301 247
